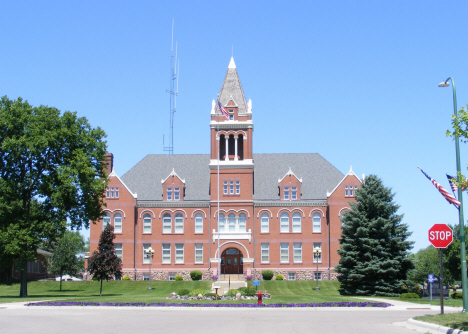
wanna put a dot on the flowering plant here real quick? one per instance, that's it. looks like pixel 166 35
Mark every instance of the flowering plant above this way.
pixel 214 278
pixel 248 278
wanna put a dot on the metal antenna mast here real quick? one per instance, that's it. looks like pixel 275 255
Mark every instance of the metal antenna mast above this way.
pixel 173 92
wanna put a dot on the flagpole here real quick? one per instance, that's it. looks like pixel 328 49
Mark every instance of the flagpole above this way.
pixel 219 138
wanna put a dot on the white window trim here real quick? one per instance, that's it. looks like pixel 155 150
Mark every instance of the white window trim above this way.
pixel 200 249
pixel 165 254
pixel 198 223
pixel 267 251
pixel 147 217
pixel 265 226
pixel 179 253
pixel 281 252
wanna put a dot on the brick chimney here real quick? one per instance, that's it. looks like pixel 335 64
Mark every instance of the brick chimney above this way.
pixel 109 162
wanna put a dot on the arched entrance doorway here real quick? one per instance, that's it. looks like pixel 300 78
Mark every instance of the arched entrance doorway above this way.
pixel 232 261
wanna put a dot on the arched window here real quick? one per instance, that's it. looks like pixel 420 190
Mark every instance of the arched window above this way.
pixel 231 145
pixel 232 222
pixel 242 222
pixel 284 222
pixel 106 220
pixel 167 223
pixel 198 223
pixel 222 147
pixel 316 223
pixel 240 147
pixel 265 223
pixel 179 223
pixel 221 223
pixel 118 223
pixel 147 223
pixel 296 222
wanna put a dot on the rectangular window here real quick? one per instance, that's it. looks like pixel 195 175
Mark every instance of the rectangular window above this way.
pixel 198 253
pixel 265 253
pixel 297 249
pixel 107 192
pixel 145 258
pixel 286 192
pixel 172 276
pixel 116 192
pixel 169 194
pixel 231 117
pixel 176 194
pixel 319 246
pixel 293 193
pixel 284 253
pixel 237 187
pixel 225 188
pixel 179 253
pixel 112 192
pixel 146 276
pixel 166 253
pixel 231 187
pixel 118 250
pixel 291 276
pixel 167 225
pixel 317 276
pixel 346 190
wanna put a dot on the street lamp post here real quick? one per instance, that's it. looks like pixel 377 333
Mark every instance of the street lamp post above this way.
pixel 460 198
pixel 317 253
pixel 149 255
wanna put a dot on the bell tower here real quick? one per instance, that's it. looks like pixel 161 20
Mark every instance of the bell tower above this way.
pixel 231 140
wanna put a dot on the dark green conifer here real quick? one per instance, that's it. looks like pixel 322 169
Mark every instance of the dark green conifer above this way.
pixel 374 248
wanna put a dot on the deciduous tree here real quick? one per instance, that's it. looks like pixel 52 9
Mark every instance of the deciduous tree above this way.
pixel 103 263
pixel 374 248
pixel 64 255
pixel 51 171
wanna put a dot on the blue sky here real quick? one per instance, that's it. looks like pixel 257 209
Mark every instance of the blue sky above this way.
pixel 355 81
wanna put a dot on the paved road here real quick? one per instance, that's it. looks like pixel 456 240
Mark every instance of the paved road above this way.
pixel 71 320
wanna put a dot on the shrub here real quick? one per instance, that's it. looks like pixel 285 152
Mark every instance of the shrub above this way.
pixel 178 278
pixel 409 295
pixel 231 293
pixel 457 295
pixel 95 279
pixel 183 292
pixel 125 278
pixel 267 275
pixel 279 277
pixel 210 294
pixel 249 291
pixel 196 292
pixel 196 275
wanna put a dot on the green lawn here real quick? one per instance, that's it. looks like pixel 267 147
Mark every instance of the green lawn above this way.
pixel 129 291
pixel 452 320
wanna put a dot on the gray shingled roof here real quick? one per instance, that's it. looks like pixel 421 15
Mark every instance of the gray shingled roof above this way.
pixel 318 175
pixel 232 88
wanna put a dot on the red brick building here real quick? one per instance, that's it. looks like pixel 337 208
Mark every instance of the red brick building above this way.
pixel 273 209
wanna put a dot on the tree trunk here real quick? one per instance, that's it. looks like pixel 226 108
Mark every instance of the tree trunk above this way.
pixel 61 281
pixel 24 280
pixel 100 292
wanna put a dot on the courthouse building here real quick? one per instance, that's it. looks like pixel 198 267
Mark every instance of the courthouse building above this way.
pixel 266 211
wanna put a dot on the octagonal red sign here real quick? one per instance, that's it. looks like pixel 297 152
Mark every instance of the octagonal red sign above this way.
pixel 440 235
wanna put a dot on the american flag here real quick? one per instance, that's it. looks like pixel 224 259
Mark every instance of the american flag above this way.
pixel 452 185
pixel 445 193
pixel 223 111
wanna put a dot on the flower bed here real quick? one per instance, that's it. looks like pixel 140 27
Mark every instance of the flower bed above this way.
pixel 336 304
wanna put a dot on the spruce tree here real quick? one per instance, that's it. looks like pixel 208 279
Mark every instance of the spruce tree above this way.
pixel 374 248
pixel 104 263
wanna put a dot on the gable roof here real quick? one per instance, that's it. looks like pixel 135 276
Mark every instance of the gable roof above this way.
pixel 232 89
pixel 350 173
pixel 318 175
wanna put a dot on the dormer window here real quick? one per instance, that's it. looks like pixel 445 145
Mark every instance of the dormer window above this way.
pixel 290 187
pixel 173 187
pixel 350 191
pixel 176 194
pixel 169 194
pixel 293 192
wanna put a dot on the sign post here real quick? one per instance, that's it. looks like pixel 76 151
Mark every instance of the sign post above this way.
pixel 440 236
pixel 430 279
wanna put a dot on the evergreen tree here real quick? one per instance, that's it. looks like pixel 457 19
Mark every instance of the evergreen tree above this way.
pixel 64 255
pixel 104 263
pixel 374 254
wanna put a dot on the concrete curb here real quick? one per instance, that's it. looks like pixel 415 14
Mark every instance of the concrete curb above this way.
pixel 434 327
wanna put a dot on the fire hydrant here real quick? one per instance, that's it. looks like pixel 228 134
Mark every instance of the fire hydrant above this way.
pixel 259 295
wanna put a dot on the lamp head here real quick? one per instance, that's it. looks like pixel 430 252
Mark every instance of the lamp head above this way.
pixel 444 84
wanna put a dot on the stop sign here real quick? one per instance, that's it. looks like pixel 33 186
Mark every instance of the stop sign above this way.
pixel 440 235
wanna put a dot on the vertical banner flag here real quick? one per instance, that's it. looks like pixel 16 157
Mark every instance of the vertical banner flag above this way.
pixel 222 110
pixel 445 193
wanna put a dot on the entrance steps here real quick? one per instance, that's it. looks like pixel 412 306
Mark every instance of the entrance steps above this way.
pixel 228 282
